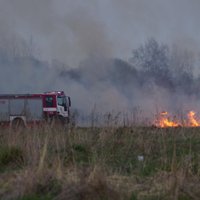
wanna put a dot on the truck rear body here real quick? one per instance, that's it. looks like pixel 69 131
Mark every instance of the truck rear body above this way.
pixel 34 108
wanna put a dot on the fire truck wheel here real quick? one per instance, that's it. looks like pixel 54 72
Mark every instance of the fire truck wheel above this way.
pixel 18 123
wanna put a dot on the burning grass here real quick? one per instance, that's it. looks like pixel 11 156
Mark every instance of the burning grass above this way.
pixel 165 120
pixel 100 163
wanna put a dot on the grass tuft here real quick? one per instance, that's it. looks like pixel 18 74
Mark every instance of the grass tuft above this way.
pixel 11 157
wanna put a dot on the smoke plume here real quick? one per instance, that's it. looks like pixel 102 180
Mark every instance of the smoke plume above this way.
pixel 100 54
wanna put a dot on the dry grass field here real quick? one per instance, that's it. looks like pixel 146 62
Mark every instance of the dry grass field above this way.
pixel 134 163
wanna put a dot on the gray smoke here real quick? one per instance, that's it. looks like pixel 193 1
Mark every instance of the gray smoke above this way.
pixel 104 85
pixel 84 47
pixel 69 30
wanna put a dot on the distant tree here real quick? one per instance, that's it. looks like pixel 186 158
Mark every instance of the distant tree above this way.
pixel 152 59
pixel 13 47
pixel 182 62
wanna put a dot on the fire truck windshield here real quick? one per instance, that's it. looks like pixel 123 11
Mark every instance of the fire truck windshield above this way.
pixel 61 100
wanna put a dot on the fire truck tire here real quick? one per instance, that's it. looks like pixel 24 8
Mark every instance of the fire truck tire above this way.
pixel 18 123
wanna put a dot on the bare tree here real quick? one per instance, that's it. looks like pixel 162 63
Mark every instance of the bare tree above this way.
pixel 182 61
pixel 152 60
pixel 151 57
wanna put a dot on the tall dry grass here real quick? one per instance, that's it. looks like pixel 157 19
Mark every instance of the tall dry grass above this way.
pixel 100 163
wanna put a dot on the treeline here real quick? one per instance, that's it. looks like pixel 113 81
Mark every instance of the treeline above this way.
pixel 151 65
pixel 109 83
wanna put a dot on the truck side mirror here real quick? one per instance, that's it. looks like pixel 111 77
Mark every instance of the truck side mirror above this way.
pixel 69 100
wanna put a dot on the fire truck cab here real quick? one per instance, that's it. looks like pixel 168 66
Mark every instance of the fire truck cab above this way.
pixel 56 104
pixel 25 109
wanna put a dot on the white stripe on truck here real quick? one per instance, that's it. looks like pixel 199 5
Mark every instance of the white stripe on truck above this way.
pixel 50 109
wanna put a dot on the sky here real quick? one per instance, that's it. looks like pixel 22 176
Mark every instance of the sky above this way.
pixel 72 30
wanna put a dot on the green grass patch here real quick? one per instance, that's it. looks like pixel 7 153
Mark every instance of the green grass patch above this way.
pixel 36 197
pixel 81 153
pixel 133 196
pixel 10 157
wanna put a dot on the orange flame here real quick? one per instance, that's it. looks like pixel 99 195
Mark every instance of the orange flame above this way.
pixel 164 121
pixel 192 121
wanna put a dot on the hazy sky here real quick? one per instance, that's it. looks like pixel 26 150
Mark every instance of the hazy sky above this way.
pixel 71 30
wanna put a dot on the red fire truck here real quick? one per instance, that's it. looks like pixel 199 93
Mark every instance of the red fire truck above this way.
pixel 29 109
